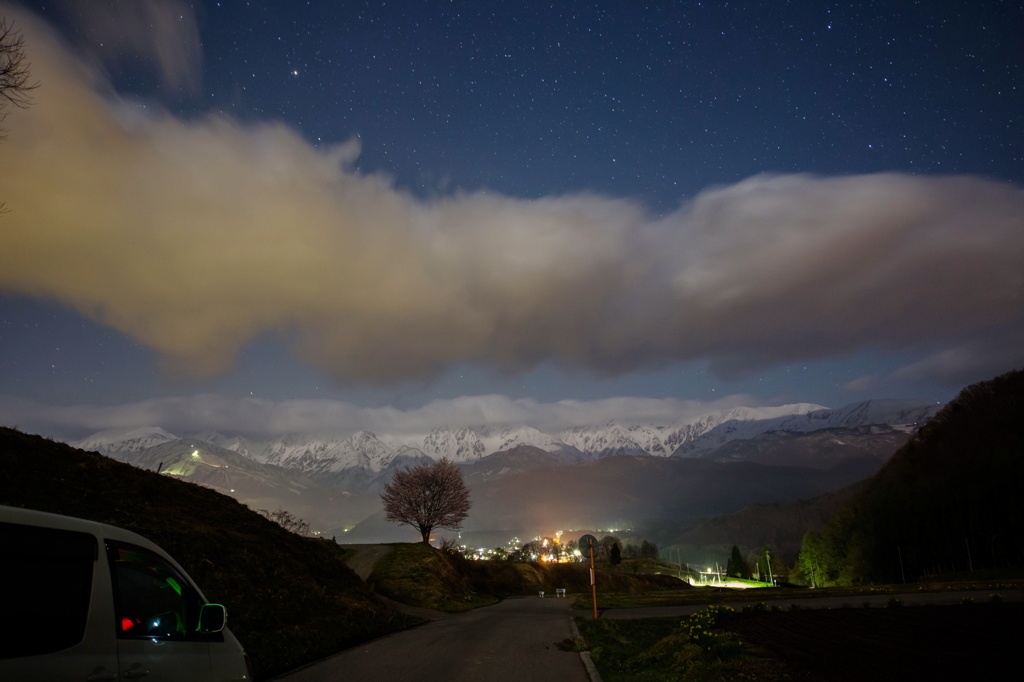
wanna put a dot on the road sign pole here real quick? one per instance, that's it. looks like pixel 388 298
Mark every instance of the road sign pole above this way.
pixel 593 583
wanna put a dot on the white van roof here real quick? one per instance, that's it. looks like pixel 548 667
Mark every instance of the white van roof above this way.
pixel 103 531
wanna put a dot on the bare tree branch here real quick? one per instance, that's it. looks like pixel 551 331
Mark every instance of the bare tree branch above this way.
pixel 426 497
pixel 14 69
pixel 286 520
pixel 14 75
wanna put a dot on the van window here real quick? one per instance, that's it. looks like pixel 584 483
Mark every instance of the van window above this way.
pixel 151 598
pixel 47 575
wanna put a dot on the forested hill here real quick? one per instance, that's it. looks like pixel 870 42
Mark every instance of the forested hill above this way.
pixel 951 499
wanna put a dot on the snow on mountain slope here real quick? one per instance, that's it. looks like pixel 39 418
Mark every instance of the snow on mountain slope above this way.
pixel 458 445
pixel 336 458
pixel 744 423
pixel 609 439
pixel 314 456
pixel 123 441
pixel 692 430
pixel 661 441
pixel 500 438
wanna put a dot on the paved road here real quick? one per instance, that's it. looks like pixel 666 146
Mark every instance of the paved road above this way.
pixel 512 641
pixel 365 558
pixel 877 600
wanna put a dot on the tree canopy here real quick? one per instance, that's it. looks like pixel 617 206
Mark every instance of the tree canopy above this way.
pixel 736 567
pixel 426 497
pixel 947 501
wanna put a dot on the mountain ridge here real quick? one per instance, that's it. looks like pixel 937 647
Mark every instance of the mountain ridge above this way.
pixel 326 457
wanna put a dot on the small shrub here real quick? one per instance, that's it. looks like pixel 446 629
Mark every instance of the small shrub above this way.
pixel 776 608
pixel 995 598
pixel 847 605
pixel 867 605
pixel 576 644
pixel 967 600
pixel 894 603
pixel 794 607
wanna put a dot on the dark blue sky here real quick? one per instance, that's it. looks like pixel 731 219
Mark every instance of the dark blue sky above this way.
pixel 652 103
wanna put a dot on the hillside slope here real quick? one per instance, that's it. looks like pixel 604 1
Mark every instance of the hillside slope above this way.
pixel 291 600
pixel 780 526
pixel 951 499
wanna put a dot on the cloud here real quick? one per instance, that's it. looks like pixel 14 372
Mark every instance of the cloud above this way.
pixel 861 384
pixel 261 417
pixel 194 237
pixel 971 361
pixel 160 34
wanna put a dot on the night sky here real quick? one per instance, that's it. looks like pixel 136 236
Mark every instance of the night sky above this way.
pixel 395 203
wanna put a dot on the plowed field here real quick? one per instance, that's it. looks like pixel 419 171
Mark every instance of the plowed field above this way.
pixel 908 643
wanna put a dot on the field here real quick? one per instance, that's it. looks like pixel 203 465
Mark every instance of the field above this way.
pixel 921 642
pixel 970 641
pixel 717 595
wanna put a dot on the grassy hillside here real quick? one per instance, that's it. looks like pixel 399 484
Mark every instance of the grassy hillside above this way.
pixel 952 499
pixel 417 574
pixel 290 600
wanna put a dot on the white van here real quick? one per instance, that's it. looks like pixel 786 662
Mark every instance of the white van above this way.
pixel 89 602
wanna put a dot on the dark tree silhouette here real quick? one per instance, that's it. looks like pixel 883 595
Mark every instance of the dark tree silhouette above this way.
pixel 426 497
pixel 736 566
pixel 286 520
pixel 616 555
pixel 14 74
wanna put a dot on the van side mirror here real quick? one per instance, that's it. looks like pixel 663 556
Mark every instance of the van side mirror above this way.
pixel 212 618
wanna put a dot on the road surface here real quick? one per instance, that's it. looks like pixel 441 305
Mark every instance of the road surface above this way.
pixel 511 641
pixel 365 558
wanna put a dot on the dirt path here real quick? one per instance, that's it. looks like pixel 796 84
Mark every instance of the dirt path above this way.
pixel 511 641
pixel 365 558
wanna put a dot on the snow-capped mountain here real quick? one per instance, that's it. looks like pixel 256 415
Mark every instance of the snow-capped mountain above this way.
pixel 125 441
pixel 363 459
pixel 458 445
pixel 662 441
pixel 613 439
pixel 501 438
pixel 314 456
pixel 745 423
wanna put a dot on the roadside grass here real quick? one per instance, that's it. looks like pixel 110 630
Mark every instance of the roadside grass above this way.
pixel 640 567
pixel 662 649
pixel 417 574
pixel 291 600
pixel 610 599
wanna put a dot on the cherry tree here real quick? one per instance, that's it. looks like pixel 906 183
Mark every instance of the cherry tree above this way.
pixel 426 497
